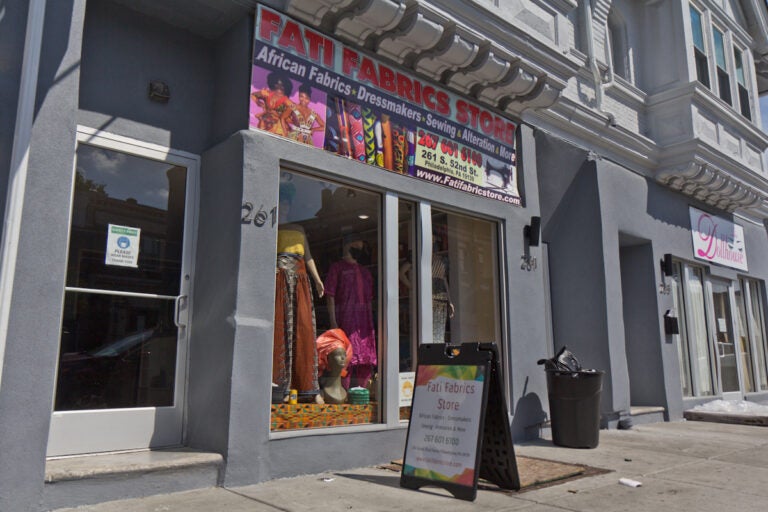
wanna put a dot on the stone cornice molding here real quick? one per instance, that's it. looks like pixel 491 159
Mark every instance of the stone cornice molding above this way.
pixel 314 12
pixel 485 57
pixel 712 186
pixel 420 30
pixel 368 18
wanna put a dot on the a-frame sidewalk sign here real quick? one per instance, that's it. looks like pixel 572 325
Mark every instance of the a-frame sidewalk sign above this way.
pixel 459 427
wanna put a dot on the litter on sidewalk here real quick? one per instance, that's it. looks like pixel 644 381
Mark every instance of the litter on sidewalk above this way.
pixel 629 482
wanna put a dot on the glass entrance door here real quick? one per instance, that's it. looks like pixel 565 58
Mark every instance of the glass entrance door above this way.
pixel 120 380
pixel 725 342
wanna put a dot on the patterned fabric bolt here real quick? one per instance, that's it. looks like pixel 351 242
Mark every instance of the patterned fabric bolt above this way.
pixel 344 147
pixel 399 149
pixel 357 140
pixel 411 160
pixel 369 120
pixel 379 135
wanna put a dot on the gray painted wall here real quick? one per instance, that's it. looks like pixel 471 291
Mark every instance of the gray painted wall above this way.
pixel 232 53
pixel 122 51
pixel 14 17
pixel 31 350
pixel 641 326
pixel 595 214
pixel 214 294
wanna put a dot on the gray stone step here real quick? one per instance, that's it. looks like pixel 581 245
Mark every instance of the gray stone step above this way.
pixel 88 479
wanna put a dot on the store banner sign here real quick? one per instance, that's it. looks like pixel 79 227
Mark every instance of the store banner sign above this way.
pixel 444 429
pixel 122 246
pixel 318 91
pixel 717 240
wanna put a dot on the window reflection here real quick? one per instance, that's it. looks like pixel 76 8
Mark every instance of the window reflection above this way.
pixel 117 349
pixel 125 190
pixel 465 284
pixel 116 352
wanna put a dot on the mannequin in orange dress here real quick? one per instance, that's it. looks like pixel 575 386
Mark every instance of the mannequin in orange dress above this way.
pixel 294 358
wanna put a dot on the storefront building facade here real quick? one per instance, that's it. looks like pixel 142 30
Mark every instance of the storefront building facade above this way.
pixel 394 158
pixel 657 234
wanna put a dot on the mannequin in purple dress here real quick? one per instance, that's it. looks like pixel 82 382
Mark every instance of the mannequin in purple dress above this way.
pixel 349 292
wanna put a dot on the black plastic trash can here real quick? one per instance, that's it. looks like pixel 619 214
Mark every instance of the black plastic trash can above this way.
pixel 574 407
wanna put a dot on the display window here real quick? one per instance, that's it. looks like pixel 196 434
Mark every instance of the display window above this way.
pixel 721 346
pixel 326 340
pixel 328 345
pixel 408 312
pixel 695 356
pixel 751 332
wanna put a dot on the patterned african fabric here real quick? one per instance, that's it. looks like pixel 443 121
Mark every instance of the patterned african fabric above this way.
pixel 440 299
pixel 351 286
pixel 357 140
pixel 341 112
pixel 274 108
pixel 369 135
pixel 302 127
pixel 294 358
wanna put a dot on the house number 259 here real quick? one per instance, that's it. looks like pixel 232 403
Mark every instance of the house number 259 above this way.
pixel 259 218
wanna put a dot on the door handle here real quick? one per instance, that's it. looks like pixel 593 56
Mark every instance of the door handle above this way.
pixel 177 310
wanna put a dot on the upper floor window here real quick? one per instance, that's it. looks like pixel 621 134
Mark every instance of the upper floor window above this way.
pixel 723 78
pixel 699 49
pixel 619 48
pixel 731 76
pixel 741 81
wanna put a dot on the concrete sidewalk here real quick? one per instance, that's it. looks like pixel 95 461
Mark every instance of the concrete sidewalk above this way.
pixel 683 466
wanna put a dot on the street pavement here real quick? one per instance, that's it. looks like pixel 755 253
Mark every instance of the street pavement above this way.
pixel 682 466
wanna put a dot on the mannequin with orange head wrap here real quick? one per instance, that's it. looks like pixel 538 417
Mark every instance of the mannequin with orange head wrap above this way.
pixel 334 351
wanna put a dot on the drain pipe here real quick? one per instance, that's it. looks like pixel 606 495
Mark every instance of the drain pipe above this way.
pixel 593 64
pixel 17 178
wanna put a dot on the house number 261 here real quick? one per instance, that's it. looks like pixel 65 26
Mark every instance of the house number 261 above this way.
pixel 260 216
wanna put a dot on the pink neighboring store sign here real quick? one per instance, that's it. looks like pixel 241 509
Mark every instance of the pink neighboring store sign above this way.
pixel 717 240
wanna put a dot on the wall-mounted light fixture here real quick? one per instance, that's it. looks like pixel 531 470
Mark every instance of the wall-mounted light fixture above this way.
pixel 667 268
pixel 532 232
pixel 531 236
pixel 159 91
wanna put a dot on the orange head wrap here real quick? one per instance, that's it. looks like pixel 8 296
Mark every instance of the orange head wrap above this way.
pixel 328 342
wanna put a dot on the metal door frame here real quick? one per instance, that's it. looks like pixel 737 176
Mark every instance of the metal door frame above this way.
pixel 136 428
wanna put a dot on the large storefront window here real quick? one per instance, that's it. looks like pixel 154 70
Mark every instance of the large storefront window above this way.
pixel 465 282
pixel 327 342
pixel 751 326
pixel 326 346
pixel 408 312
pixel 722 341
pixel 693 348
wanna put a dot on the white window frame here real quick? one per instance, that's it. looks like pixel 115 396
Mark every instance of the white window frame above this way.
pixel 746 291
pixel 732 41
pixel 388 316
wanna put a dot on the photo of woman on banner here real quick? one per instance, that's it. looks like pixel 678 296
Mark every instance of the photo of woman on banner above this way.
pixel 305 124
pixel 269 104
